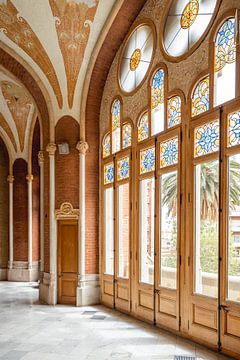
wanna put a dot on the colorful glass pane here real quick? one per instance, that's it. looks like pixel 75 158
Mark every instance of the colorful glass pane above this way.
pixel 174 111
pixel 147 160
pixel 234 129
pixel 169 152
pixel 189 14
pixel 106 146
pixel 143 127
pixel 200 97
pixel 157 89
pixel 225 47
pixel 206 139
pixel 126 135
pixel 123 168
pixel 116 115
pixel 108 173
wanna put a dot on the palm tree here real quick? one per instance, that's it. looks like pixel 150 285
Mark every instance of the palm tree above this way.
pixel 209 189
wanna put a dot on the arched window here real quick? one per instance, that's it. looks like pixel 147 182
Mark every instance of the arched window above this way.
pixel 126 135
pixel 200 97
pixel 143 127
pixel 157 102
pixel 116 125
pixel 106 146
pixel 174 111
pixel 225 63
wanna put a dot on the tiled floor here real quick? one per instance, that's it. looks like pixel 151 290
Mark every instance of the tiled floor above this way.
pixel 30 331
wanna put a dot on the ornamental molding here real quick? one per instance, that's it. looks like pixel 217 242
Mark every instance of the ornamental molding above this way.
pixel 82 147
pixel 67 211
pixel 51 148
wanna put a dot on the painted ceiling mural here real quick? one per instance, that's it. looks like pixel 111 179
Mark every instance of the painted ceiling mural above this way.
pixel 56 38
pixel 17 112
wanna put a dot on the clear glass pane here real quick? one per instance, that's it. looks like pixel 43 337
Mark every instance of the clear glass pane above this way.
pixel 123 231
pixel 234 228
pixel 206 228
pixel 109 231
pixel 168 229
pixel 147 189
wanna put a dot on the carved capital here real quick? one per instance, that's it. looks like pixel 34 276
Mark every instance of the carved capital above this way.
pixel 10 179
pixel 40 157
pixel 82 147
pixel 29 178
pixel 51 148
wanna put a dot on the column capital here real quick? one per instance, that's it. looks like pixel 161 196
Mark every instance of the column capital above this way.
pixel 29 178
pixel 51 148
pixel 40 157
pixel 10 179
pixel 82 147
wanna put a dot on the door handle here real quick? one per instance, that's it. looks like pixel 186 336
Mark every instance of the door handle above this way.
pixel 224 308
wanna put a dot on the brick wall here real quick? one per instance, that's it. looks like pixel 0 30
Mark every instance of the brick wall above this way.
pixel 67 166
pixel 20 211
pixel 4 208
pixel 36 194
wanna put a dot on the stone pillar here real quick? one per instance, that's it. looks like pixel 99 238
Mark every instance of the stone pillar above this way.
pixel 29 179
pixel 10 181
pixel 48 285
pixel 41 165
pixel 88 285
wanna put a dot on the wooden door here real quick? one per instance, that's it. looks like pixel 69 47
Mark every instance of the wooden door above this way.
pixel 168 230
pixel 122 271
pixel 67 261
pixel 204 233
pixel 230 264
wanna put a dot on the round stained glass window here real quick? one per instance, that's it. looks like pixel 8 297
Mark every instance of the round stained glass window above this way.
pixel 136 58
pixel 186 23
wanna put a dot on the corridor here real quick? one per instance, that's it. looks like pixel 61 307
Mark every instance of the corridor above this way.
pixel 31 331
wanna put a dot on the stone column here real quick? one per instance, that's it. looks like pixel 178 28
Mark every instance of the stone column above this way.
pixel 10 180
pixel 29 179
pixel 88 285
pixel 41 165
pixel 51 149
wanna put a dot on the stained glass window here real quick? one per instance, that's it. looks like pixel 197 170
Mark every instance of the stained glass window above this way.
pixel 106 146
pixel 169 152
pixel 206 139
pixel 186 23
pixel 116 123
pixel 234 128
pixel 200 97
pixel 108 173
pixel 123 168
pixel 143 127
pixel 126 135
pixel 136 58
pixel 157 102
pixel 225 62
pixel 147 160
pixel 174 111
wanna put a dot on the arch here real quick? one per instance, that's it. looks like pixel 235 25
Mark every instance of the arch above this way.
pixel 24 73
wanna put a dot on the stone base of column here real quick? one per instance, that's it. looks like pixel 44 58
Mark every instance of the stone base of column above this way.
pixel 88 290
pixel 20 272
pixel 48 289
pixel 3 274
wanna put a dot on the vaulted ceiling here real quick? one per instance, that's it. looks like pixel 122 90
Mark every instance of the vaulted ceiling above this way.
pixel 56 38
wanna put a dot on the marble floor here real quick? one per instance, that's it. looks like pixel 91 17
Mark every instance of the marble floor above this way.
pixel 31 331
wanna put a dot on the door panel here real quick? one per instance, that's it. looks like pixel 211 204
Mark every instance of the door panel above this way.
pixel 67 261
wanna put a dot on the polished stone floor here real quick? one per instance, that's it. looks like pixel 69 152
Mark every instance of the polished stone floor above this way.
pixel 31 331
